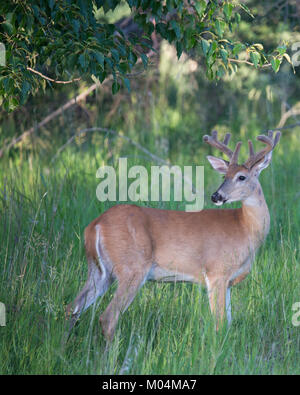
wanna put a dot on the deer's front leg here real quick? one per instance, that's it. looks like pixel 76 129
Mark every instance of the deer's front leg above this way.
pixel 228 305
pixel 219 298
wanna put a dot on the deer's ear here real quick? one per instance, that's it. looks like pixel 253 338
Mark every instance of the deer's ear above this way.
pixel 220 165
pixel 261 165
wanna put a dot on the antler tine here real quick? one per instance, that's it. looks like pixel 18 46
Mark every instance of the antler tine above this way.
pixel 214 134
pixel 251 149
pixel 277 138
pixel 214 142
pixel 235 156
pixel 269 141
pixel 266 140
pixel 226 138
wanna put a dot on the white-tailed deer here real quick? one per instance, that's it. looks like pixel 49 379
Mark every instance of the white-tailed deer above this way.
pixel 214 247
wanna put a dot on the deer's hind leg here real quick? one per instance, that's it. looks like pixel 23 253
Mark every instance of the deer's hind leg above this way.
pixel 128 287
pixel 130 269
pixel 99 280
pixel 95 286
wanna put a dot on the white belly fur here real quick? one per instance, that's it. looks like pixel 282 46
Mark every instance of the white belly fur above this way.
pixel 157 273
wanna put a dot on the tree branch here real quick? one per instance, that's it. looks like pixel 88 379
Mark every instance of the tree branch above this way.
pixel 247 62
pixel 294 125
pixel 51 79
pixel 59 111
pixel 51 116
pixel 295 110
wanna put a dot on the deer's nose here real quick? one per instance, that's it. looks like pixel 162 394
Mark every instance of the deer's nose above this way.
pixel 216 197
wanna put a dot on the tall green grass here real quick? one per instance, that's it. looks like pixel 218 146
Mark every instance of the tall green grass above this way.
pixel 168 328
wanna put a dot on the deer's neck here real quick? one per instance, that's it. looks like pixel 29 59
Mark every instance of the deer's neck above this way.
pixel 256 215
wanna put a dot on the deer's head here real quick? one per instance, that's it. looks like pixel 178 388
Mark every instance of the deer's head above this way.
pixel 240 181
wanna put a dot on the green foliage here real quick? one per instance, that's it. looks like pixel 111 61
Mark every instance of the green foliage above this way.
pixel 67 41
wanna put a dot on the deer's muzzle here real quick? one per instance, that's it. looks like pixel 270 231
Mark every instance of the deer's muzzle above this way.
pixel 217 198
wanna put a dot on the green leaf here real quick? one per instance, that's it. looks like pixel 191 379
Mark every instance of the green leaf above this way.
pixel 275 63
pixel 220 27
pixel 227 9
pixel 122 50
pixel 83 61
pixel 109 62
pixel 7 27
pixel 221 70
pixel 76 25
pixel 6 82
pixel 255 57
pixel 100 58
pixel 237 18
pixel 123 67
pixel 176 28
pixel 205 46
pixel 51 4
pixel 161 29
pixel 12 104
pixel 24 91
pixel 115 54
pixel 72 60
pixel 281 50
pixel 101 75
pixel 200 7
pixel 132 58
pixel 179 49
pixel 238 48
pixel 224 55
pixel 212 48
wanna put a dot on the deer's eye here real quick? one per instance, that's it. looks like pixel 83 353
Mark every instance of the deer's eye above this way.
pixel 242 178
